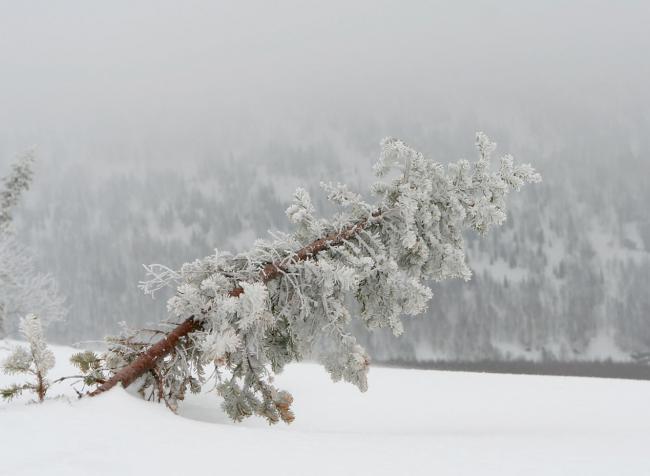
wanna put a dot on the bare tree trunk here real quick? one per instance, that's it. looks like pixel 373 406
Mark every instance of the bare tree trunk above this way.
pixel 148 359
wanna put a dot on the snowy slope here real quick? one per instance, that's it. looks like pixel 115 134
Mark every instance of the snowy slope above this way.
pixel 409 422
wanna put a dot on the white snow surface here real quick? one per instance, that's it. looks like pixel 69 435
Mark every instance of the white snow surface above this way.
pixel 410 422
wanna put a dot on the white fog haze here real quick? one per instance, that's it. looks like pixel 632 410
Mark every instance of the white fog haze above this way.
pixel 166 129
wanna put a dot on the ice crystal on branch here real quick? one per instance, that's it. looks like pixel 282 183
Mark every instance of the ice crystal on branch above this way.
pixel 295 296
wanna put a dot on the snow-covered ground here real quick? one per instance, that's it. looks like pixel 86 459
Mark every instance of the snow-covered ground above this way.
pixel 409 422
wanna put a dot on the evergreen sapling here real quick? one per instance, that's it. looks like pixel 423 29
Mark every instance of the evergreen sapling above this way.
pixel 35 361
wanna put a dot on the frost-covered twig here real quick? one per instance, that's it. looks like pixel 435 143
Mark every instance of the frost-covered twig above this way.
pixel 160 277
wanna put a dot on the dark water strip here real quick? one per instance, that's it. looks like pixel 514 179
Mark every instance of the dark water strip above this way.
pixel 601 369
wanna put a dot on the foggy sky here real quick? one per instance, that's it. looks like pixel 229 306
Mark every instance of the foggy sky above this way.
pixel 128 81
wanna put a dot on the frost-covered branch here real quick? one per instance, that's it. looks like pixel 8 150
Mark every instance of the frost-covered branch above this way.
pixel 160 276
pixel 295 295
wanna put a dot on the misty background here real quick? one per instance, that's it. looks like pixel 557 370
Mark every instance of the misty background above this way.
pixel 167 129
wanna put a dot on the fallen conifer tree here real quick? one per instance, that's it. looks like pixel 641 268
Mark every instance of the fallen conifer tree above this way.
pixel 244 317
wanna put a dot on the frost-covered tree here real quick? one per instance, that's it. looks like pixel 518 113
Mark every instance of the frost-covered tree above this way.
pixel 35 361
pixel 15 184
pixel 22 288
pixel 294 296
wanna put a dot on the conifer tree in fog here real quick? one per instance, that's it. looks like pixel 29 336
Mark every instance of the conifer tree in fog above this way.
pixel 243 317
pixel 23 289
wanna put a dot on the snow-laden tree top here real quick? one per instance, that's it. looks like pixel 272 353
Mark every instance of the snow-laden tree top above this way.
pixel 294 295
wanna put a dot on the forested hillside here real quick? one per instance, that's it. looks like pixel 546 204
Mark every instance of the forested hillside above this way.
pixel 556 281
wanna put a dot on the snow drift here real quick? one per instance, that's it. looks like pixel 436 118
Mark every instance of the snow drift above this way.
pixel 409 422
